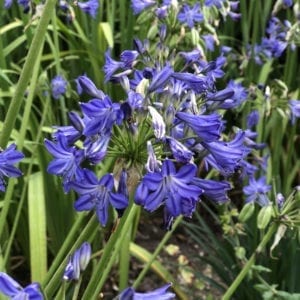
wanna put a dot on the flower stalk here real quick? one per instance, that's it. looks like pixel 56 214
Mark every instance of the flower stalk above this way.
pixel 109 255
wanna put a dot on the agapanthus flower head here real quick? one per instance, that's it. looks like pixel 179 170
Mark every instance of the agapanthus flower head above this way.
pixel 98 194
pixel 169 187
pixel 58 86
pixel 161 293
pixel 9 287
pixel 8 158
pixel 78 262
pixel 190 15
pixel 257 191
pixel 90 7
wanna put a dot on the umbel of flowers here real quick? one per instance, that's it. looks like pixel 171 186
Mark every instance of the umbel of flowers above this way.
pixel 168 130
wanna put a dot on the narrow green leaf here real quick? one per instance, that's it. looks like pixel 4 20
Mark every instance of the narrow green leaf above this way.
pixel 14 45
pixel 105 33
pixel 37 227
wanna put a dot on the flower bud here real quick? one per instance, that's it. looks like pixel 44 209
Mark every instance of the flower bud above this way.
pixel 246 212
pixel 264 216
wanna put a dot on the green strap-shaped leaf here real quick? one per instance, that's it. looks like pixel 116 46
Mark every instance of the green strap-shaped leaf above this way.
pixel 37 227
pixel 105 34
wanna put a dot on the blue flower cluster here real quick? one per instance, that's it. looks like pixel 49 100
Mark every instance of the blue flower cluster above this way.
pixel 279 36
pixel 169 128
pixel 186 14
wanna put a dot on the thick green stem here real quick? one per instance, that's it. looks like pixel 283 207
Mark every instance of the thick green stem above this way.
pixel 250 262
pixel 156 252
pixel 76 289
pixel 35 47
pixel 111 249
pixel 125 259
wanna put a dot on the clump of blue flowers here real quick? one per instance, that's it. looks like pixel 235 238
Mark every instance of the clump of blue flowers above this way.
pixel 169 127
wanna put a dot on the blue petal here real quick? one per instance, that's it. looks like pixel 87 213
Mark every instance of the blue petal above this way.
pixel 83 188
pixel 56 150
pixel 85 202
pixel 57 166
pixel 33 291
pixel 10 171
pixel 168 168
pixel 9 286
pixel 186 173
pixel 154 200
pixel 108 181
pixel 118 201
pixel 102 214
pixel 141 194
pixel 152 181
pixel 173 204
pixel 187 191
